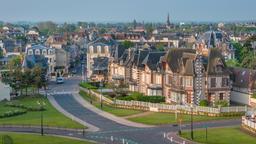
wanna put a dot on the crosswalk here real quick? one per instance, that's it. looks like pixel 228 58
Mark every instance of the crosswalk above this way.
pixel 57 92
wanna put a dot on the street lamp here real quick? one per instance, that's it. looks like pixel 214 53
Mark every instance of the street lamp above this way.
pixel 101 84
pixel 191 118
pixel 41 104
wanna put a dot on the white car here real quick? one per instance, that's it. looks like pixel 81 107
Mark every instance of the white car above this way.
pixel 60 80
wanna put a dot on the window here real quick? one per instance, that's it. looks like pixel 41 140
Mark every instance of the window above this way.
pixel 106 49
pixel 49 52
pixel 221 96
pixel 219 68
pixel 30 52
pixel 224 82
pixel 213 82
pixel 99 49
pixel 181 81
pixel 44 52
pixel 37 52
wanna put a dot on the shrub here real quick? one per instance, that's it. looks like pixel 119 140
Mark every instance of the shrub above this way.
pixel 136 96
pixel 222 103
pixel 28 108
pixel 12 113
pixel 152 99
pixel 203 103
pixel 87 85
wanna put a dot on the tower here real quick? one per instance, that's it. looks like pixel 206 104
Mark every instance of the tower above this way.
pixel 168 23
pixel 134 24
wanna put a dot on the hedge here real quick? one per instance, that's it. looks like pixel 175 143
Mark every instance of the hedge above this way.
pixel 140 97
pixel 12 113
pixel 87 85
pixel 28 108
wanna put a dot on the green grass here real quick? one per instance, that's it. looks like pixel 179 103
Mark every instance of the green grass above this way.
pixel 87 85
pixel 37 139
pixel 115 111
pixel 230 135
pixel 51 116
pixel 169 118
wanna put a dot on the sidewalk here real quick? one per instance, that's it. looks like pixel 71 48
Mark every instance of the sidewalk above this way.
pixel 90 127
pixel 114 118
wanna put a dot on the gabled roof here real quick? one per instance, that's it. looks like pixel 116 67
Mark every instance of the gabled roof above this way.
pixel 178 58
pixel 137 58
pixel 152 60
pixel 103 40
pixel 100 63
pixel 118 52
pixel 216 59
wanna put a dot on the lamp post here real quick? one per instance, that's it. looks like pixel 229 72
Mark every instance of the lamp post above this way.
pixel 191 118
pixel 101 94
pixel 41 104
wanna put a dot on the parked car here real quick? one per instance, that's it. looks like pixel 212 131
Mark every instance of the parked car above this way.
pixel 60 80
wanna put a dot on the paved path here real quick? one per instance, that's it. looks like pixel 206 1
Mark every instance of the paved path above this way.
pixel 138 115
pixel 107 115
pixel 70 115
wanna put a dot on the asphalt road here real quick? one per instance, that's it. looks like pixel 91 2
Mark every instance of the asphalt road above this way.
pixel 110 128
pixel 110 131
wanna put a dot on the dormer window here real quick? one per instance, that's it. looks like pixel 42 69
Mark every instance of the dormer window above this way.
pixel 219 65
pixel 106 49
pixel 37 52
pixel 50 52
pixel 30 52
pixel 44 52
pixel 98 49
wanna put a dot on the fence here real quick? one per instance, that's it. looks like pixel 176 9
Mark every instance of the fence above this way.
pixel 249 124
pixel 157 107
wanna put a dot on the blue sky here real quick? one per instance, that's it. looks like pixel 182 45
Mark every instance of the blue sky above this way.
pixel 127 10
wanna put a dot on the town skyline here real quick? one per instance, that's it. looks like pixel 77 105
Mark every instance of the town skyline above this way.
pixel 114 11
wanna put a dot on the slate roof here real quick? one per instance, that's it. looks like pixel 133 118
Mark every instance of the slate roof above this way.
pixel 102 40
pixel 180 58
pixel 118 52
pixel 100 63
pixel 137 58
pixel 152 60
pixel 33 60
pixel 215 58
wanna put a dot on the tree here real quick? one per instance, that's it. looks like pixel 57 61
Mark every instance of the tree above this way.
pixel 127 44
pixel 203 103
pixel 160 47
pixel 232 63
pixel 1 53
pixel 27 79
pixel 46 28
pixel 37 72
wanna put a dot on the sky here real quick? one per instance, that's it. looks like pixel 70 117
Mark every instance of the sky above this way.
pixel 127 10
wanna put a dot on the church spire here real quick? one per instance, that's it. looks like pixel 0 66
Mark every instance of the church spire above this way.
pixel 168 23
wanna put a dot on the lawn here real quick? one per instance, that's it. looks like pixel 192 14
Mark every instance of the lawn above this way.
pixel 115 111
pixel 51 116
pixel 37 139
pixel 169 118
pixel 229 135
